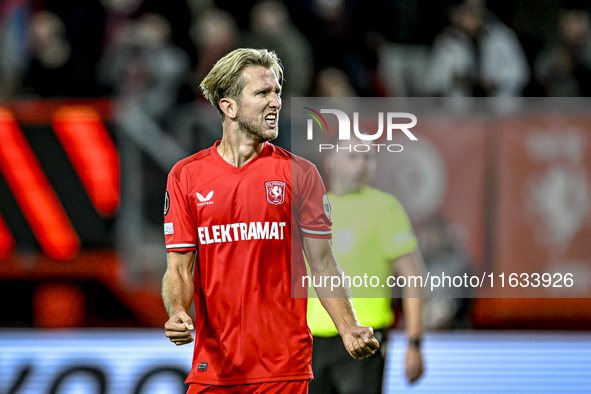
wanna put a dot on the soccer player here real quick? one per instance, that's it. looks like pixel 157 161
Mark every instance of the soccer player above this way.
pixel 371 235
pixel 238 218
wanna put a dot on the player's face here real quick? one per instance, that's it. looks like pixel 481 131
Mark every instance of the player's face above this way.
pixel 259 105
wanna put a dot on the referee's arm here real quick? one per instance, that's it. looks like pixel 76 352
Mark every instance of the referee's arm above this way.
pixel 411 265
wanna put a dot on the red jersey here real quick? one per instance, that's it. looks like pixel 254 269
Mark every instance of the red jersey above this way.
pixel 239 220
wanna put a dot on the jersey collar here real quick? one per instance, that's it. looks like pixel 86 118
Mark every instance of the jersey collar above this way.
pixel 238 170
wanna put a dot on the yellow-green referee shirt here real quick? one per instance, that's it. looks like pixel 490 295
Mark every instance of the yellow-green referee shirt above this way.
pixel 370 229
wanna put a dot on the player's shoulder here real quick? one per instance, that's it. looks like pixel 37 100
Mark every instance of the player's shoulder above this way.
pixel 188 162
pixel 298 163
pixel 279 152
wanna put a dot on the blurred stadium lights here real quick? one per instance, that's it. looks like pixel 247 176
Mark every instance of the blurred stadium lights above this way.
pixel 33 192
pixel 6 240
pixel 60 202
pixel 92 153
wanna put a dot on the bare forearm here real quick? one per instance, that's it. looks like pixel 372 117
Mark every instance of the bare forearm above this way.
pixel 412 266
pixel 341 312
pixel 413 317
pixel 324 274
pixel 177 293
pixel 335 299
pixel 177 283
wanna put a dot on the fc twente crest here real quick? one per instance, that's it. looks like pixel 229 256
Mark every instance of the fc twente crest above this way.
pixel 275 192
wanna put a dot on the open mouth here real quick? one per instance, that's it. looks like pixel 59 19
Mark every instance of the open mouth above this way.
pixel 271 120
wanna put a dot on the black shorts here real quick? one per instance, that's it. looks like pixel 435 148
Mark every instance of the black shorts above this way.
pixel 335 371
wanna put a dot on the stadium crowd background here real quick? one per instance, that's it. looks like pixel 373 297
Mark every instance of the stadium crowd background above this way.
pixel 111 48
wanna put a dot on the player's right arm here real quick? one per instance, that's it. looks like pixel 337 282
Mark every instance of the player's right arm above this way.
pixel 177 294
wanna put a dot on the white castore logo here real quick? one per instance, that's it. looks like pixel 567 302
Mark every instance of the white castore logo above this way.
pixel 205 200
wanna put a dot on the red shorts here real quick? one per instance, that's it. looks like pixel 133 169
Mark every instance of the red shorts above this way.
pixel 289 387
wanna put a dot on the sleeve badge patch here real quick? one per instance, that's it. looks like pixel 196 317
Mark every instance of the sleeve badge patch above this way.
pixel 326 205
pixel 166 203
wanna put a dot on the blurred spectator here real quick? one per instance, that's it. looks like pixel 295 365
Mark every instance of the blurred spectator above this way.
pixel 447 306
pixel 333 82
pixel 564 67
pixel 214 34
pixel 180 19
pixel 402 68
pixel 534 21
pixel 14 17
pixel 143 65
pixel 118 14
pixel 177 12
pixel 405 21
pixel 48 71
pixel 338 33
pixel 409 28
pixel 197 6
pixel 271 28
pixel 77 35
pixel 477 55
pixel 240 10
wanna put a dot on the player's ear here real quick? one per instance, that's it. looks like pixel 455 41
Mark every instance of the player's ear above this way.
pixel 229 107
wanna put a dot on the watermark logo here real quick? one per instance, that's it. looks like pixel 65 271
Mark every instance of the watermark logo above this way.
pixel 315 115
pixel 389 121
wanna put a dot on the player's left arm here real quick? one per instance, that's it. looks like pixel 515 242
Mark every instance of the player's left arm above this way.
pixel 412 265
pixel 177 294
pixel 357 339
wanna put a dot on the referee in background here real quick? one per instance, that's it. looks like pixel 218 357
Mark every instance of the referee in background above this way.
pixel 371 235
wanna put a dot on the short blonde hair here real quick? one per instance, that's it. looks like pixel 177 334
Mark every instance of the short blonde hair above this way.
pixel 224 79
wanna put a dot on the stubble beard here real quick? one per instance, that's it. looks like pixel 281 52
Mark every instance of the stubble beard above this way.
pixel 255 130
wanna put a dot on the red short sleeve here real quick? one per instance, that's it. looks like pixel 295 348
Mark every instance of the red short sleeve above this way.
pixel 179 226
pixel 314 207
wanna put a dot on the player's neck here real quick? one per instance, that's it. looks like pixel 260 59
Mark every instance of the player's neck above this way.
pixel 238 150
